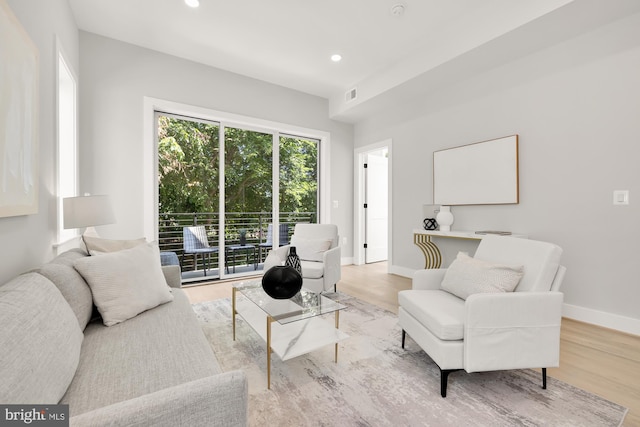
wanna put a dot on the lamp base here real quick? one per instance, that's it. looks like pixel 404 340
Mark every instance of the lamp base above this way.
pixel 91 232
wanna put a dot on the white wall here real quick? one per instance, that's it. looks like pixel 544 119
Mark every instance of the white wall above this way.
pixel 576 107
pixel 26 241
pixel 115 79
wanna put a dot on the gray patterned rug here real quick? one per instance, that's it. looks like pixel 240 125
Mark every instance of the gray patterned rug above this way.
pixel 377 383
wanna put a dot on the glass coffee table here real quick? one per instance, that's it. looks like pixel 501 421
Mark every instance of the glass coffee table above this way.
pixel 290 327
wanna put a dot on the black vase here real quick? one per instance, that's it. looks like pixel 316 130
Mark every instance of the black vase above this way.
pixel 281 282
pixel 293 260
pixel 430 224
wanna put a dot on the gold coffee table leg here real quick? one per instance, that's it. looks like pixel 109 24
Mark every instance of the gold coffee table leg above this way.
pixel 269 320
pixel 337 327
pixel 233 311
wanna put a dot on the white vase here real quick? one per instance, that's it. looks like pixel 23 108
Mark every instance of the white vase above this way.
pixel 445 218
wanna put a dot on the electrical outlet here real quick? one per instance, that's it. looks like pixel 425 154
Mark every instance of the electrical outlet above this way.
pixel 621 197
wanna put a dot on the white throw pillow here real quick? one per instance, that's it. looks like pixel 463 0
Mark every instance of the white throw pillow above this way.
pixel 125 283
pixel 310 249
pixel 466 276
pixel 98 244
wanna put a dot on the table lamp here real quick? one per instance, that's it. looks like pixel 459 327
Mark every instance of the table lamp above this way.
pixel 87 211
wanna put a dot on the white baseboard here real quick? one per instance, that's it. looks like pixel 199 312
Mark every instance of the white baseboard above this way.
pixel 346 261
pixel 602 318
pixel 401 271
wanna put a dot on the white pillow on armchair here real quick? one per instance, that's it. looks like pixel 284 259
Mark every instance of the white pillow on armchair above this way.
pixel 310 249
pixel 466 276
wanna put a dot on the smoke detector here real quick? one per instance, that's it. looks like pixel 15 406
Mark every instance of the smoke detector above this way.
pixel 398 9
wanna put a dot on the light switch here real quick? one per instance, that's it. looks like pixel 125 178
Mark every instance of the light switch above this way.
pixel 621 197
pixel 335 204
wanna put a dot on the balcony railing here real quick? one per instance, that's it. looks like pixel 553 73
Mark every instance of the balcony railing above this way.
pixel 253 224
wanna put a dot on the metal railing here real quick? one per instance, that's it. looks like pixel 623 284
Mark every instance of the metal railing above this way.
pixel 253 225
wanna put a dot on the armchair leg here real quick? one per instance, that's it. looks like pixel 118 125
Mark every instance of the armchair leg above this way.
pixel 544 378
pixel 404 334
pixel 444 377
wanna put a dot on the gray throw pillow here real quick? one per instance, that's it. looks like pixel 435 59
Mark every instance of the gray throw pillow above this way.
pixel 125 283
pixel 40 341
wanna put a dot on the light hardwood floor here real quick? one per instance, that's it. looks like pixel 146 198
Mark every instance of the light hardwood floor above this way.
pixel 602 361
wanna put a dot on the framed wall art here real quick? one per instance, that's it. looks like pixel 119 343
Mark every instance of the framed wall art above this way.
pixel 18 118
pixel 484 173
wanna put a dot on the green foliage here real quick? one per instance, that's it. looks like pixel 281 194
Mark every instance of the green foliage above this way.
pixel 188 168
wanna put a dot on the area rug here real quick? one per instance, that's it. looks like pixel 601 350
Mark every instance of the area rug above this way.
pixel 377 383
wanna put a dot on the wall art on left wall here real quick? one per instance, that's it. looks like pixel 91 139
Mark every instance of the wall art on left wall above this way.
pixel 18 118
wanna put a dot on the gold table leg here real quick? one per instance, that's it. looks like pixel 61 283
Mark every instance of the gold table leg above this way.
pixel 233 311
pixel 432 256
pixel 337 327
pixel 269 321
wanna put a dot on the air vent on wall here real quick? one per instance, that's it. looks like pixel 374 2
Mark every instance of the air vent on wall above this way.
pixel 351 95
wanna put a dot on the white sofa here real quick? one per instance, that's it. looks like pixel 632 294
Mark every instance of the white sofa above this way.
pixel 491 330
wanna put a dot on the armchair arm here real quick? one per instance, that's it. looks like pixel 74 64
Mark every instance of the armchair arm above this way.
pixel 512 330
pixel 282 252
pixel 172 275
pixel 332 266
pixel 429 279
pixel 212 401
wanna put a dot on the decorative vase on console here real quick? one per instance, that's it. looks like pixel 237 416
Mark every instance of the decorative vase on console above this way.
pixel 293 260
pixel 445 218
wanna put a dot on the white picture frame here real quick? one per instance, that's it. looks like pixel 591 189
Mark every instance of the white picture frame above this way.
pixel 19 75
pixel 484 173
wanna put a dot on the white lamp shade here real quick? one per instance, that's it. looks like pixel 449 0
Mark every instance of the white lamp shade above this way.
pixel 87 211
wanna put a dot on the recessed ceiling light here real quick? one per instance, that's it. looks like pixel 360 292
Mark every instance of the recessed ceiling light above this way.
pixel 336 57
pixel 192 3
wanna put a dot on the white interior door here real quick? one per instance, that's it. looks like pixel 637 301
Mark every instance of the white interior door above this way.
pixel 376 211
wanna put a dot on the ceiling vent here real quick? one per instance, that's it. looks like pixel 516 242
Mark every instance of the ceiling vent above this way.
pixel 351 95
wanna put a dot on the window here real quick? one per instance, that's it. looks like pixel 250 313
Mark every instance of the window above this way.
pixel 67 143
pixel 232 180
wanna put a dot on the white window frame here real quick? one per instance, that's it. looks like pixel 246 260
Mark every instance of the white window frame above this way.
pixel 66 140
pixel 150 153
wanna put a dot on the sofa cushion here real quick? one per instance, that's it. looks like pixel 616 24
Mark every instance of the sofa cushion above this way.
pixel 73 288
pixel 125 283
pixel 312 269
pixel 439 311
pixel 98 244
pixel 40 339
pixel 466 276
pixel 310 249
pixel 157 349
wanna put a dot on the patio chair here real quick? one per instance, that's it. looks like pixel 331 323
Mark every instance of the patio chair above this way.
pixel 194 242
pixel 283 235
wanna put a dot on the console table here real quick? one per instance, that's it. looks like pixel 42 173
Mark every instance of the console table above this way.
pixel 432 256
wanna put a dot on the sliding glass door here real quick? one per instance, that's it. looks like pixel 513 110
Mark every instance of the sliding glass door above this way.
pixel 248 189
pixel 298 179
pixel 218 180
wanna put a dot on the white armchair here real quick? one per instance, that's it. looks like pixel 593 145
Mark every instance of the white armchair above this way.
pixel 318 246
pixel 490 331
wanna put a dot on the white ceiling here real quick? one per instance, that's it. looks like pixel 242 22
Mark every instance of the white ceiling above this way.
pixel 289 42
